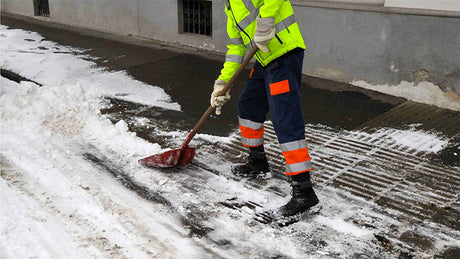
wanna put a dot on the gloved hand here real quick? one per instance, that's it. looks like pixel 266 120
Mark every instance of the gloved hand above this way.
pixel 219 101
pixel 265 32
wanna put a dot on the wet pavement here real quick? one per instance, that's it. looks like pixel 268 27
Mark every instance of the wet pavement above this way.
pixel 188 77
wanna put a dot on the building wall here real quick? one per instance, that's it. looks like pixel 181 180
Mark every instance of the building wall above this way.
pixel 107 15
pixel 353 41
pixel 22 7
pixel 380 48
pixel 153 19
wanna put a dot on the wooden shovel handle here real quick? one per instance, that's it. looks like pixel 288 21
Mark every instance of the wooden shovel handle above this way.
pixel 228 85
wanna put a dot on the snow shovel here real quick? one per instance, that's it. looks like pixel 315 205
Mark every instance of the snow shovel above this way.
pixel 184 154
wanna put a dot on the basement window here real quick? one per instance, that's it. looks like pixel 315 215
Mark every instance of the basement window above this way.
pixel 42 8
pixel 195 16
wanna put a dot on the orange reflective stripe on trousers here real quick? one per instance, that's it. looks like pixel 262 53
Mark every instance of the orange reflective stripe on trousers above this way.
pixel 297 158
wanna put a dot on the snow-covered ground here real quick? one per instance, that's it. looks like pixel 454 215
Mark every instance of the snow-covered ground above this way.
pixel 57 203
pixel 54 203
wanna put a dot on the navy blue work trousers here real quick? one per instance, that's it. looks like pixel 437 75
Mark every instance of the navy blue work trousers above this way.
pixel 275 88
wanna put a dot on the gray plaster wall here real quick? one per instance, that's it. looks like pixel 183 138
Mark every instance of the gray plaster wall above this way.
pixel 345 42
pixel 381 48
pixel 22 7
pixel 152 19
pixel 106 15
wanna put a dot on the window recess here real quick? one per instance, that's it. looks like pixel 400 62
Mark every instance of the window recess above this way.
pixel 42 8
pixel 195 16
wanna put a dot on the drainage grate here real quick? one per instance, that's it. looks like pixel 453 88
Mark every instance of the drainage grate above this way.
pixel 42 8
pixel 196 17
pixel 377 168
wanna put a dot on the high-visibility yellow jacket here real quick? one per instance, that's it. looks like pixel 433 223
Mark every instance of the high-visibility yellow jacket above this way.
pixel 241 27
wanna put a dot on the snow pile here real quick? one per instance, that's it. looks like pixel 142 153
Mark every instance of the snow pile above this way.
pixel 69 103
pixel 424 92
pixel 33 57
pixel 67 110
pixel 444 5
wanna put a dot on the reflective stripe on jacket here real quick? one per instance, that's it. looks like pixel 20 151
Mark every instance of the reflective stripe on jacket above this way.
pixel 241 27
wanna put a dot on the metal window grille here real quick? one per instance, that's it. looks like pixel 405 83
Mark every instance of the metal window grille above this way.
pixel 196 17
pixel 42 8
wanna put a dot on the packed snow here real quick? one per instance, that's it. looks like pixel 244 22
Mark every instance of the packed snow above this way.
pixel 57 204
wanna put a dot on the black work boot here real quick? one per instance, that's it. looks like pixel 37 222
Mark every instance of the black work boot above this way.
pixel 256 167
pixel 303 198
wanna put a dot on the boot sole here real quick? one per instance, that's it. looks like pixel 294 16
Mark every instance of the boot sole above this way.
pixel 270 217
pixel 261 175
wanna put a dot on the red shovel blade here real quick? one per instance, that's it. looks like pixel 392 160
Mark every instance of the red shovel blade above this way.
pixel 170 158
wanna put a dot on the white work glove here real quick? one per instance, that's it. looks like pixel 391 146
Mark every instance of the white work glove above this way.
pixel 265 32
pixel 219 101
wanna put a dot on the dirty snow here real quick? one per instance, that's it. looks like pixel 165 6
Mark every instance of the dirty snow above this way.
pixel 442 5
pixel 55 203
pixel 424 92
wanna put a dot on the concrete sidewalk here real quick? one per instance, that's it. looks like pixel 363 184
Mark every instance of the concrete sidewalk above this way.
pixel 188 75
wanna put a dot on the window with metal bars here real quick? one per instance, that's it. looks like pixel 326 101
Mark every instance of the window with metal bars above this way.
pixel 42 8
pixel 195 17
